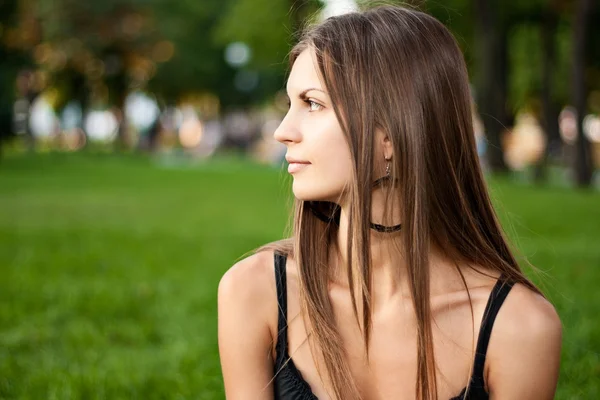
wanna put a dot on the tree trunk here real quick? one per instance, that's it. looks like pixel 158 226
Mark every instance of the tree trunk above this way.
pixel 82 96
pixel 492 80
pixel 550 109
pixel 121 92
pixel 583 159
pixel 30 139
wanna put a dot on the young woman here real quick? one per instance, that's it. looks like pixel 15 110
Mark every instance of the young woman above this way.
pixel 397 282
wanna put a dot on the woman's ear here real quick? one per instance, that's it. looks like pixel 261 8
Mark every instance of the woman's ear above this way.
pixel 385 144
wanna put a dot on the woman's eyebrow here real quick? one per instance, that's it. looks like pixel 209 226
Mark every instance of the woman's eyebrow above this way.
pixel 303 93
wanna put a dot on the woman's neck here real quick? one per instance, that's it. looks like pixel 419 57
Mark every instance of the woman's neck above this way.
pixel 388 266
pixel 389 269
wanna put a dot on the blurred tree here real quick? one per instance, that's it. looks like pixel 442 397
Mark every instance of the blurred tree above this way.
pixel 534 76
pixel 492 25
pixel 503 81
pixel 194 59
pixel 9 65
pixel 302 13
pixel 20 31
pixel 97 52
pixel 106 47
pixel 550 107
pixel 269 35
pixel 541 41
pixel 581 29
pixel 539 73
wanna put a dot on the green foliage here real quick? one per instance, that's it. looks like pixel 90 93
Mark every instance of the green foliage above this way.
pixel 110 269
pixel 563 73
pixel 198 64
pixel 525 53
pixel 9 62
pixel 200 30
pixel 268 34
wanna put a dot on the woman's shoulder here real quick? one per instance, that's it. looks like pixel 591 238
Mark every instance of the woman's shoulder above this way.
pixel 247 324
pixel 525 343
pixel 250 280
pixel 526 307
pixel 526 318
pixel 247 299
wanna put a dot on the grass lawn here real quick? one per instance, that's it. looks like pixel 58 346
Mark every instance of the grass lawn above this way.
pixel 109 269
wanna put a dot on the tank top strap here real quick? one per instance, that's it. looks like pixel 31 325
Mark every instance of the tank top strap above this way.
pixel 495 301
pixel 281 285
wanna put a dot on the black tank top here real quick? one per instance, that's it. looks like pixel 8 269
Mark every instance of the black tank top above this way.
pixel 289 384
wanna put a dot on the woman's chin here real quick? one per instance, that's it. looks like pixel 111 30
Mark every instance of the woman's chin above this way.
pixel 311 195
pixel 303 197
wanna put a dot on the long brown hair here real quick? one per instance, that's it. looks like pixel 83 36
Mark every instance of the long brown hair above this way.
pixel 401 71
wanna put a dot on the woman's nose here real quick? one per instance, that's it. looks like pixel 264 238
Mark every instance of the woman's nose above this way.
pixel 287 131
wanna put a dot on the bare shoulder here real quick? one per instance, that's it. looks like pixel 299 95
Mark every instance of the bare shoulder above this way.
pixel 247 310
pixel 250 282
pixel 525 345
pixel 526 316
pixel 250 272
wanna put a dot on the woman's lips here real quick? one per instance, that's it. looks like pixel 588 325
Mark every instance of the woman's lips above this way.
pixel 295 167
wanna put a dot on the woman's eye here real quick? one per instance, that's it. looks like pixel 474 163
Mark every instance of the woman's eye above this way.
pixel 313 106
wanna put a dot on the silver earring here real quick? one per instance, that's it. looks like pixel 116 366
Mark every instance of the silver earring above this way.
pixel 387 175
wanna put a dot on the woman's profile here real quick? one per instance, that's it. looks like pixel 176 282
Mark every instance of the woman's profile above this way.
pixel 397 282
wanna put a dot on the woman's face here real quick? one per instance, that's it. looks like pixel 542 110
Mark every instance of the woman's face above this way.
pixel 313 136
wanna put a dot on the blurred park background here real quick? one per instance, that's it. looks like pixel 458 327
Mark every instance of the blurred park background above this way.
pixel 137 164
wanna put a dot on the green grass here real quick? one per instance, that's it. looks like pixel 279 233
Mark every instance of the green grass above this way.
pixel 109 269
